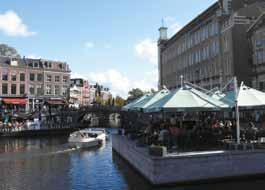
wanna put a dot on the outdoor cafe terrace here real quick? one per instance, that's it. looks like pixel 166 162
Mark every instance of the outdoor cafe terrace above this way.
pixel 192 119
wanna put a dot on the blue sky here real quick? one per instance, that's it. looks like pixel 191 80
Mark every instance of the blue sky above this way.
pixel 110 41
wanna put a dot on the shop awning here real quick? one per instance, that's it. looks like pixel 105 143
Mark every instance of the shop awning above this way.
pixel 56 102
pixel 15 101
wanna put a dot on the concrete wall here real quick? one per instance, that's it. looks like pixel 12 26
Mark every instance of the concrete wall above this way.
pixel 182 168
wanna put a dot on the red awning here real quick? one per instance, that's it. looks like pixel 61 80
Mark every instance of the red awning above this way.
pixel 16 101
pixel 56 102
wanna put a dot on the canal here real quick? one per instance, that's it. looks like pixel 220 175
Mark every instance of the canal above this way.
pixel 48 163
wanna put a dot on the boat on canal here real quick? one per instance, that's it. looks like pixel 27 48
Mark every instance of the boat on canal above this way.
pixel 87 138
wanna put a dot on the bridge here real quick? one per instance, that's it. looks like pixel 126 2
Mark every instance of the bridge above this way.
pixel 65 121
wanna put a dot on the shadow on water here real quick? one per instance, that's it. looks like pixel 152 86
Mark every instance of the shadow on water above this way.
pixel 136 181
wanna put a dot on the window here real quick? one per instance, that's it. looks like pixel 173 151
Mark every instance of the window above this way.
pixel 4 88
pixel 39 90
pixel 57 78
pixel 64 90
pixel 22 89
pixel 65 78
pixel 258 43
pixel 13 89
pixel 39 77
pixel 259 57
pixel 36 64
pixel 49 78
pixel 22 76
pixel 13 77
pixel 5 76
pixel 31 90
pixel 57 90
pixel 48 89
pixel 31 76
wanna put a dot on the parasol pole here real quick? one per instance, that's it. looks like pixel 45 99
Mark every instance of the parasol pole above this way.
pixel 181 81
pixel 237 112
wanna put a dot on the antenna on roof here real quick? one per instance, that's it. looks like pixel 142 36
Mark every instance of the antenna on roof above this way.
pixel 163 24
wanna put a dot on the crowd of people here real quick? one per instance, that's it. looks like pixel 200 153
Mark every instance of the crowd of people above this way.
pixel 187 132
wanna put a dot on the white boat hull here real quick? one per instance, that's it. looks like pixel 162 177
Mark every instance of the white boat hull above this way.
pixel 84 144
pixel 87 138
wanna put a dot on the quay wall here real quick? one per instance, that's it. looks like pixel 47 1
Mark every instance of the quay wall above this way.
pixel 181 168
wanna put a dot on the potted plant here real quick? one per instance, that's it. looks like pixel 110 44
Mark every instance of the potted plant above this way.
pixel 157 150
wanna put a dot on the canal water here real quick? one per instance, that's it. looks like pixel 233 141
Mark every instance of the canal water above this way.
pixel 48 163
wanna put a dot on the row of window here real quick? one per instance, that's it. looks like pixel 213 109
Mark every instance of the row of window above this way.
pixel 192 39
pixel 46 64
pixel 197 56
pixel 33 77
pixel 13 89
pixel 38 89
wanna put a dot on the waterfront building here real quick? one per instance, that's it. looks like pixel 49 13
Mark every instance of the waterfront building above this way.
pixel 79 92
pixel 106 95
pixel 256 34
pixel 28 83
pixel 99 93
pixel 212 48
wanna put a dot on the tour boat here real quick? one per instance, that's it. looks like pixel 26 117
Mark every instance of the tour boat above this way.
pixel 87 138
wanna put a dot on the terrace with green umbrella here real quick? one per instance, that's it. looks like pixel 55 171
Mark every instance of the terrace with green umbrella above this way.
pixel 187 98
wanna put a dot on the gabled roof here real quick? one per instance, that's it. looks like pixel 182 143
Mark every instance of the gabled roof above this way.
pixel 256 24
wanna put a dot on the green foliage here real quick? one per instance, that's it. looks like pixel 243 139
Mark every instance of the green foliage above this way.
pixel 134 94
pixel 6 50
pixel 119 101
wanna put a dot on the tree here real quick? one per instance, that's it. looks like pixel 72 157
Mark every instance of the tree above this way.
pixel 6 50
pixel 153 91
pixel 119 101
pixel 134 94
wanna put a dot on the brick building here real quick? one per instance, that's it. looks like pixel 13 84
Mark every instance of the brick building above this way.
pixel 29 83
pixel 79 92
pixel 212 48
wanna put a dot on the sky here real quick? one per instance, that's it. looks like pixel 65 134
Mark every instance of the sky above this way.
pixel 113 42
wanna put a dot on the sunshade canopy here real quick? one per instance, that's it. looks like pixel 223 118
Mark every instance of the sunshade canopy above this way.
pixel 151 99
pixel 130 105
pixel 187 98
pixel 247 97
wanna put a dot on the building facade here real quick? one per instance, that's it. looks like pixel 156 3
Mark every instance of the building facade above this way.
pixel 79 92
pixel 31 82
pixel 256 34
pixel 212 48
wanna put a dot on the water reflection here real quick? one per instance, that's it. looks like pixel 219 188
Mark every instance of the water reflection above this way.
pixel 47 163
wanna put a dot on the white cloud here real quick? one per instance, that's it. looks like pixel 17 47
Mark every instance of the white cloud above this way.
pixel 147 50
pixel 89 44
pixel 12 25
pixel 173 25
pixel 33 56
pixel 118 82
pixel 174 28
pixel 77 75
